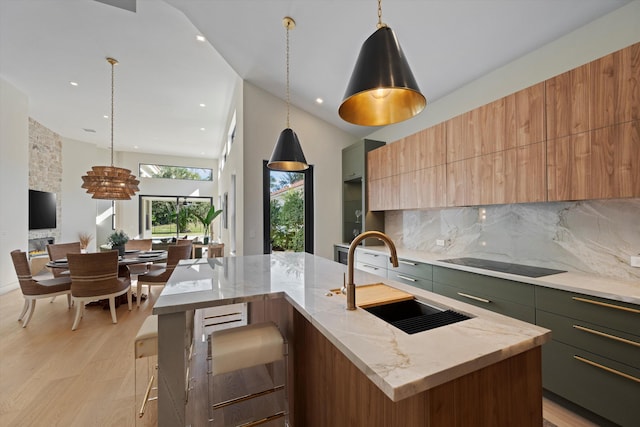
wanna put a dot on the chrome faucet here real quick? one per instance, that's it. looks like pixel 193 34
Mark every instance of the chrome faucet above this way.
pixel 351 287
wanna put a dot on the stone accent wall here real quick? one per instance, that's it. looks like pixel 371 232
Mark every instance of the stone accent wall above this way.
pixel 45 169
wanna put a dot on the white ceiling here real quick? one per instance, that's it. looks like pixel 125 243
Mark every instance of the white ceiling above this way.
pixel 164 73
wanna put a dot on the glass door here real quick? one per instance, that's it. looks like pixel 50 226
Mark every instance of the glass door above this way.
pixel 166 217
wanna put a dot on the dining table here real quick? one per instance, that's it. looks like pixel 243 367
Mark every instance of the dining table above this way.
pixel 130 258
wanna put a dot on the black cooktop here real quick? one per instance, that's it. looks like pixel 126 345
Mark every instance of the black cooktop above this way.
pixel 504 267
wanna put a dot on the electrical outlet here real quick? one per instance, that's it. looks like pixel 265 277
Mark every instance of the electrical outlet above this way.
pixel 635 261
pixel 440 242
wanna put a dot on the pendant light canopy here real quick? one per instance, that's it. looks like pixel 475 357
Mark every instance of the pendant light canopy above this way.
pixel 382 89
pixel 110 182
pixel 287 154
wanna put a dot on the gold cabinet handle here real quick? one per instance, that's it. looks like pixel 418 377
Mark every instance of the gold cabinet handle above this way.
pixel 407 262
pixel 604 304
pixel 486 301
pixel 406 278
pixel 602 334
pixel 606 368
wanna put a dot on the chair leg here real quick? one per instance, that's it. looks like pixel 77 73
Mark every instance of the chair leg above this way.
pixel 69 300
pixel 52 299
pixel 138 293
pixel 32 307
pixel 112 307
pixel 76 321
pixel 24 309
pixel 129 298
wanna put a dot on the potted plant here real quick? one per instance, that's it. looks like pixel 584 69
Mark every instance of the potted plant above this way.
pixel 206 221
pixel 84 238
pixel 117 240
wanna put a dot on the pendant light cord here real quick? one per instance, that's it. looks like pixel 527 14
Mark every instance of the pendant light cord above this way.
pixel 380 24
pixel 113 63
pixel 287 92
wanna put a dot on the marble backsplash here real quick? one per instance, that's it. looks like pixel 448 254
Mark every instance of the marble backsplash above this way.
pixel 595 236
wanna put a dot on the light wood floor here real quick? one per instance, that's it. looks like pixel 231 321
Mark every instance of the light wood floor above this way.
pixel 52 376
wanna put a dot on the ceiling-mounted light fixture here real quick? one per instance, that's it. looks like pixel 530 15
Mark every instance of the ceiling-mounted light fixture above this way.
pixel 287 154
pixel 382 89
pixel 110 182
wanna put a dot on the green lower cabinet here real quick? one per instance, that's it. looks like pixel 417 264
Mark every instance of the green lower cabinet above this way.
pixel 490 302
pixel 603 386
pixel 418 282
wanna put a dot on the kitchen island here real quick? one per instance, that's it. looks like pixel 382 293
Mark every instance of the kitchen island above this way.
pixel 351 368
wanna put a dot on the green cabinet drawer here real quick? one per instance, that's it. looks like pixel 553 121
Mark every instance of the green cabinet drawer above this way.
pixel 616 315
pixel 378 259
pixel 418 282
pixel 608 388
pixel 490 287
pixel 415 269
pixel 490 302
pixel 597 339
pixel 373 269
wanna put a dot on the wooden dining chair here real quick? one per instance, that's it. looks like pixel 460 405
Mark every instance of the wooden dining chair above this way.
pixel 138 245
pixel 33 288
pixel 159 277
pixel 60 251
pixel 94 277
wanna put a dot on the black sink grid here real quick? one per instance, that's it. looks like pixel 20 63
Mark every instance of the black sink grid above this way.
pixel 413 316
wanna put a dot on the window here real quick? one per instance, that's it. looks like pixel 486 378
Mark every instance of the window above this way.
pixel 175 172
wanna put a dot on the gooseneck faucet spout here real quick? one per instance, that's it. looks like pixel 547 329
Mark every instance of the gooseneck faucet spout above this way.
pixel 351 286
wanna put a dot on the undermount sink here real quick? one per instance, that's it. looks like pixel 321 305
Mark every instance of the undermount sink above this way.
pixel 413 316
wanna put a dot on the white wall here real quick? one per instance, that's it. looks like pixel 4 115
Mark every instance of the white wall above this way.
pixel 79 210
pixel 607 34
pixel 14 179
pixel 322 143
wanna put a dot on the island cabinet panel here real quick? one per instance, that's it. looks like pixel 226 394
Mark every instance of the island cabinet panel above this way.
pixel 513 299
pixel 601 164
pixel 567 103
pixel 593 359
pixel 331 391
pixel 615 88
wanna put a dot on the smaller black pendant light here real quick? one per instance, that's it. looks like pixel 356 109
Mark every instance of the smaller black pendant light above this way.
pixel 382 89
pixel 287 154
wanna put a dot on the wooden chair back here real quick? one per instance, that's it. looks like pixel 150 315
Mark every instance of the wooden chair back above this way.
pixel 94 274
pixel 139 245
pixel 177 252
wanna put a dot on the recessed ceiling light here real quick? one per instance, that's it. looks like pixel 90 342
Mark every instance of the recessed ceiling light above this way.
pixel 319 100
pixel 73 83
pixel 201 128
pixel 135 146
pixel 105 116
pixel 202 153
pixel 203 105
pixel 201 38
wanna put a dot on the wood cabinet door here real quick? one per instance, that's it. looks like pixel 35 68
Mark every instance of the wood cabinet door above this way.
pixel 383 162
pixel 531 179
pixel 530 123
pixel 384 194
pixel 615 161
pixel 457 136
pixel 615 88
pixel 567 103
pixel 569 167
pixel 423 189
pixel 455 182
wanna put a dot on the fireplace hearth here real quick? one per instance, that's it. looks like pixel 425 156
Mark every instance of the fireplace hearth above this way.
pixel 38 246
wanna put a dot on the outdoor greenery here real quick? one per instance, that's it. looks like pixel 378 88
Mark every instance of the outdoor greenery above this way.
pixel 287 223
pixel 207 219
pixel 166 214
pixel 176 172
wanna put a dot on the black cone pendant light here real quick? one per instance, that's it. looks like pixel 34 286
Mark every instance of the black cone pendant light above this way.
pixel 287 154
pixel 382 89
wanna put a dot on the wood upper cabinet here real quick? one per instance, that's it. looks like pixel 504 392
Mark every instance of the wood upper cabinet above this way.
pixel 424 188
pixel 423 149
pixel 600 164
pixel 384 194
pixel 601 93
pixel 383 162
pixel 531 183
pixel 615 88
pixel 530 123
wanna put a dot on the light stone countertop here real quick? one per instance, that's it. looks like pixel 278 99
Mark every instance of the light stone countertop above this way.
pixel 588 284
pixel 401 365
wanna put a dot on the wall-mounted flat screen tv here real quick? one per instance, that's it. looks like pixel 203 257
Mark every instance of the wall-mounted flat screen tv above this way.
pixel 42 210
